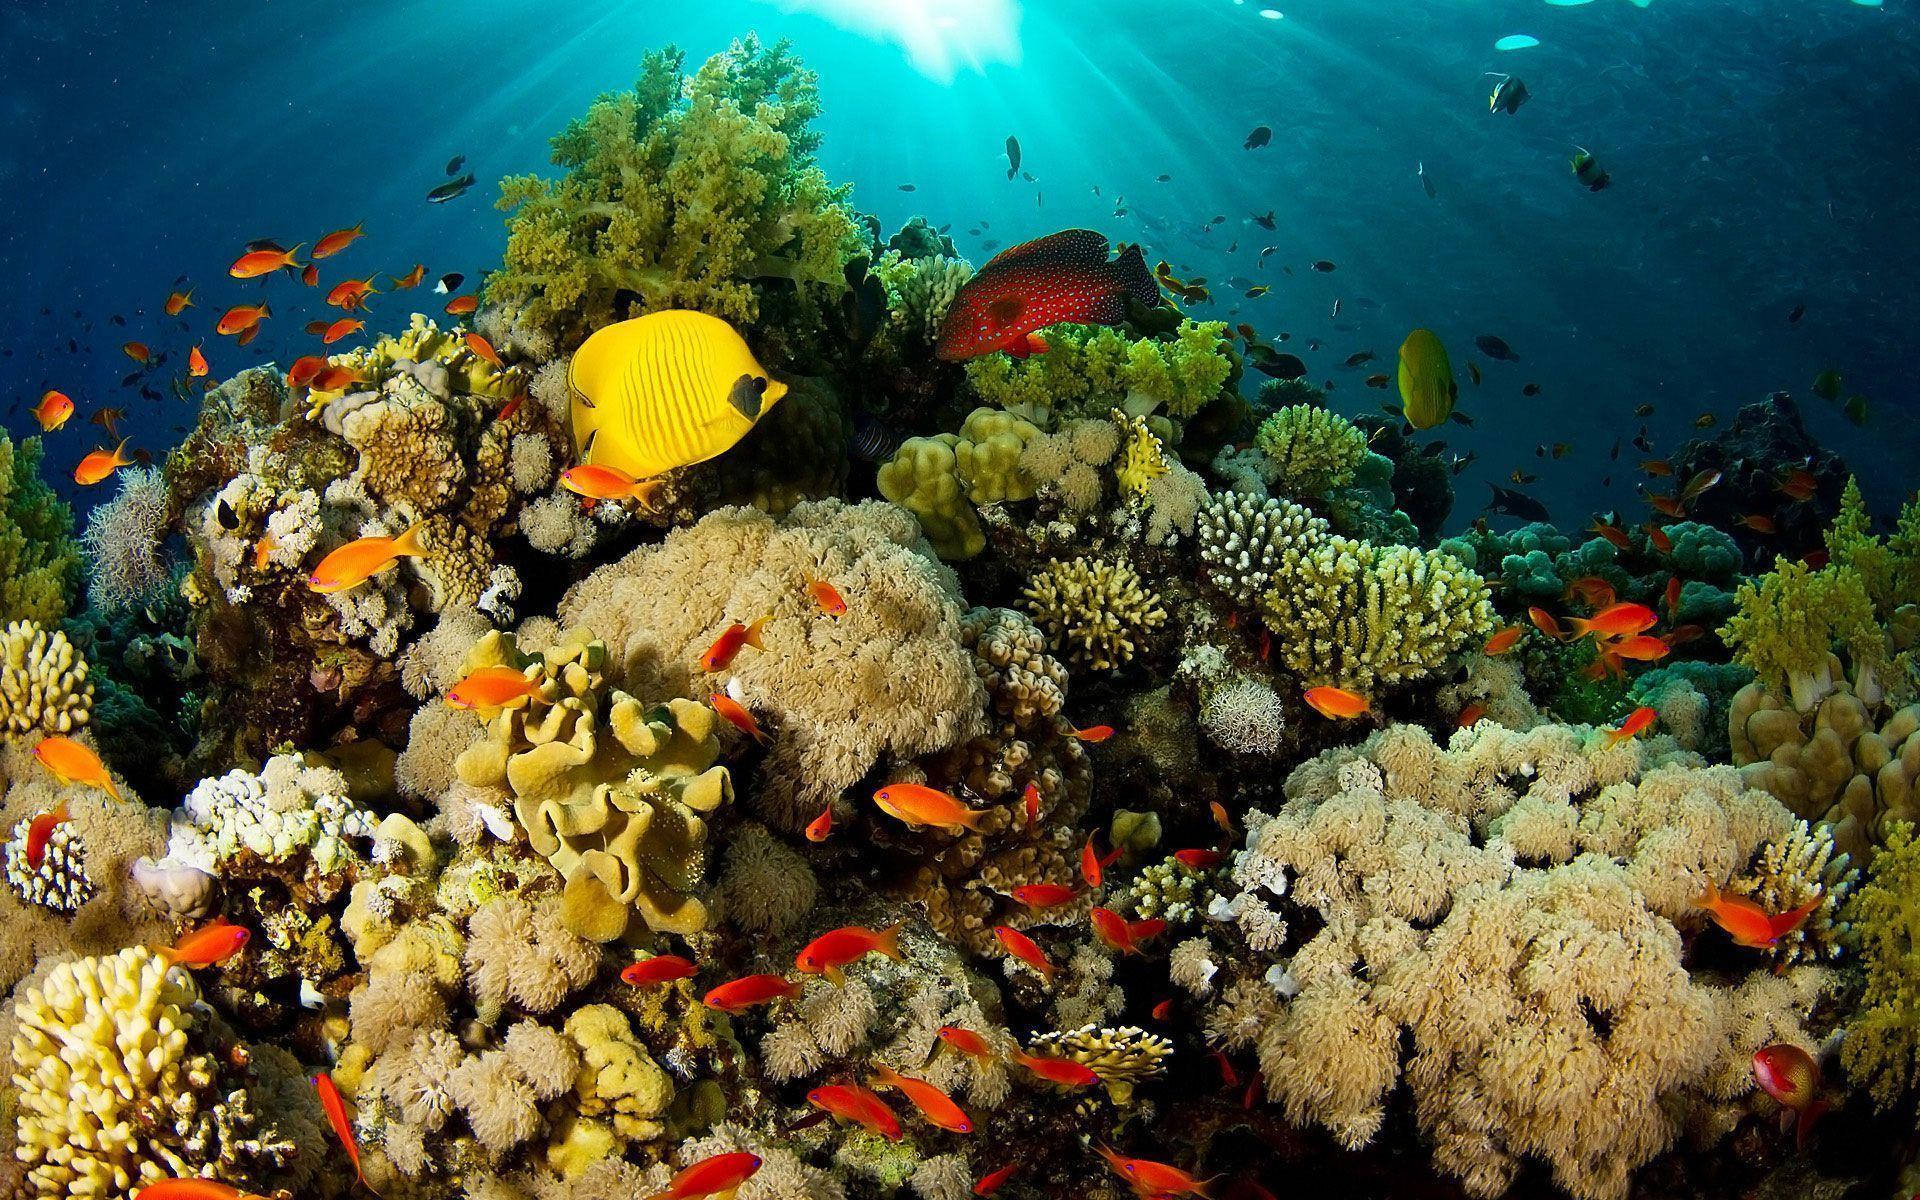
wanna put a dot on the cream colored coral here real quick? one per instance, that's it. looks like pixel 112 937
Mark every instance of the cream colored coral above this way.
pixel 43 682
pixel 618 1082
pixel 1100 610
pixel 114 1087
pixel 1121 1057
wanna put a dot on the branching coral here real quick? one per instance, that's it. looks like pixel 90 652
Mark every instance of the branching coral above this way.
pixel 1311 449
pixel 124 541
pixel 1363 616
pixel 1791 619
pixel 682 193
pixel 1088 370
pixel 1882 1047
pixel 1245 542
pixel 1804 868
pixel 43 682
pixel 39 560
pixel 1101 610
pixel 836 694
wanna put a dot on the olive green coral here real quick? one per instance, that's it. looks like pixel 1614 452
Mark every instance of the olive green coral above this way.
pixel 1312 449
pixel 940 479
pixel 610 791
pixel 1882 1046
pixel 1790 620
pixel 1360 616
pixel 1088 370
pixel 39 560
pixel 1098 610
pixel 681 193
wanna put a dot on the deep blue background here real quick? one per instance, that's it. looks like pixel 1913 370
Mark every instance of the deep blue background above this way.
pixel 1762 155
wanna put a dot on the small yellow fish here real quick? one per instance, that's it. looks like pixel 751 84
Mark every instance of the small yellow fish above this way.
pixel 360 560
pixel 1427 387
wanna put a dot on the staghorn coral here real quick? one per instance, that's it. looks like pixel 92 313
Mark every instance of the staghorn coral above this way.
pixel 613 793
pixel 1362 616
pixel 1480 901
pixel 124 542
pixel 1122 1058
pixel 1088 370
pixel 39 560
pixel 888 678
pixel 1245 541
pixel 1310 449
pixel 1799 869
pixel 682 193
pixel 43 682
pixel 121 1085
pixel 1102 610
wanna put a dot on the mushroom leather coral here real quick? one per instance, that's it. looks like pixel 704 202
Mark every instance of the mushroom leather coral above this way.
pixel 612 792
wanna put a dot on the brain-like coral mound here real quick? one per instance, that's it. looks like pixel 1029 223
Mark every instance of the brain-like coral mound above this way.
pixel 889 677
pixel 43 682
pixel 1509 908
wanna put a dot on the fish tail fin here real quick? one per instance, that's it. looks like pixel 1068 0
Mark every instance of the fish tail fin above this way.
pixel 752 635
pixel 885 1076
pixel 1131 274
pixel 1711 897
pixel 1804 1126
pixel 120 453
pixel 888 942
pixel 972 818
pixel 409 544
pixel 646 491
pixel 834 975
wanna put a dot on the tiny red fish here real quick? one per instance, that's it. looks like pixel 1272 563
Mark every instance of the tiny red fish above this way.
pixel 827 597
pixel 1471 715
pixel 240 318
pixel 1544 622
pixel 1043 895
pixel 966 1041
pixel 1336 703
pixel 1671 598
pixel 935 1105
pixel 1620 620
pixel 1025 949
pixel 40 829
pixel 1757 522
pixel 1094 734
pixel 851 1102
pixel 197 362
pixel 1658 537
pixel 993 1181
pixel 821 827
pixel 1228 1076
pixel 721 653
pixel 1065 276
pixel 310 275
pixel 411 279
pixel 483 349
pixel 1500 643
pixel 1163 1011
pixel 735 714
pixel 1791 1076
pixel 1063 1071
pixel 719 1175
pixel 832 952
pixel 1220 816
pixel 1111 928
pixel 193 1188
pixel 1640 648
pixel 920 806
pixel 255 263
pixel 1613 534
pixel 737 995
pixel 1155 1180
pixel 335 1106
pixel 1092 864
pixel 179 301
pixel 351 294
pixel 207 946
pixel 344 327
pixel 1030 801
pixel 461 306
pixel 661 968
pixel 1637 722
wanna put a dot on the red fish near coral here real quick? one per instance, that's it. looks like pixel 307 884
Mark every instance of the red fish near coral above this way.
pixel 966 1041
pixel 70 762
pixel 993 1181
pixel 194 1189
pixel 240 318
pixel 851 1102
pixel 1199 859
pixel 337 241
pixel 1154 1179
pixel 1063 1071
pixel 827 597
pixel 1025 949
pixel 1043 895
pixel 738 995
pixel 831 952
pixel 1503 641
pixel 100 464
pixel 720 655
pixel 1749 924
pixel 53 411
pixel 1638 721
pixel 493 687
pixel 716 1176
pixel 1336 703
pixel 1619 620
pixel 255 263
pixel 335 1106
pixel 735 714
pixel 40 831
pixel 919 806
pixel 197 363
pixel 821 827
pixel 661 968
pixel 935 1105
pixel 1790 1075
pixel 207 946
pixel 1065 276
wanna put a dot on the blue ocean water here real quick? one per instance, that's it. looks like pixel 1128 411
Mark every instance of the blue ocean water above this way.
pixel 1760 154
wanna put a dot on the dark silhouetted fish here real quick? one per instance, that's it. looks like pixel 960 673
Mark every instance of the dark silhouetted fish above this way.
pixel 1264 221
pixel 1013 156
pixel 1495 348
pixel 455 163
pixel 453 189
pixel 1516 504
pixel 1260 136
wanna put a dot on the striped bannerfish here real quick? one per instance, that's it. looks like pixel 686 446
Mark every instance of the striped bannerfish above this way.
pixel 663 391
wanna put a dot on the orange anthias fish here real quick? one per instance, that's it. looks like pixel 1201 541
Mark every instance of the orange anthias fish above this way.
pixel 827 597
pixel 738 995
pixel 197 362
pixel 821 827
pixel 1613 533
pixel 1749 924
pixel 461 306
pixel 335 1106
pixel 920 806
pixel 608 483
pixel 1063 1071
pixel 1790 1075
pixel 1671 598
pixel 493 687
pixel 363 558
pixel 1637 722
pixel 721 653
pixel 1199 859
pixel 193 1189
pixel 1701 481
pixel 208 946
pixel 1658 537
pixel 178 302
pixel 411 279
pixel 993 1181
pixel 263 550
pixel 255 263
pixel 1093 735
pixel 53 411
pixel 138 352
pixel 1500 643
pixel 966 1041
pixel 248 334
pixel 661 968
pixel 1030 803
pixel 1758 522
pixel 1337 703
pixel 1044 895
pixel 1798 485
pixel 240 318
pixel 70 762
pixel 333 378
pixel 1153 1179
pixel 1544 622
pixel 1065 276
pixel 1640 648
pixel 719 1175
pixel 1470 715
pixel 735 714
pixel 935 1105
pixel 832 952
pixel 337 241
pixel 304 369
pixel 851 1102
pixel 1592 591
pixel 1026 950
pixel 310 276
pixel 483 350
pixel 351 294
pixel 1620 620
pixel 40 831
pixel 100 464
pixel 1112 929
pixel 344 327
pixel 1092 864
pixel 1666 505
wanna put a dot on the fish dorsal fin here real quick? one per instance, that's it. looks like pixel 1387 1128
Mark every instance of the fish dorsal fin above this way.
pixel 1069 245
pixel 745 395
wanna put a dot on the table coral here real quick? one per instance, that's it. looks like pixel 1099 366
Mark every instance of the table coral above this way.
pixel 120 1085
pixel 43 682
pixel 39 560
pixel 888 678
pixel 682 193
pixel 1102 610
pixel 614 793
pixel 1362 616
pixel 1481 901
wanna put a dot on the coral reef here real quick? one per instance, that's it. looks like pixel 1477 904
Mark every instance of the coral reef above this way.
pixel 124 543
pixel 1101 610
pixel 39 560
pixel 43 682
pixel 1089 370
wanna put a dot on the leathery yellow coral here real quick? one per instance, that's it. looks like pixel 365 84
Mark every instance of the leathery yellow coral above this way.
pixel 611 792
pixel 43 681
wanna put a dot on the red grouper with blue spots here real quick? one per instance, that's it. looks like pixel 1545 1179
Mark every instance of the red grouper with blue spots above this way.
pixel 1064 276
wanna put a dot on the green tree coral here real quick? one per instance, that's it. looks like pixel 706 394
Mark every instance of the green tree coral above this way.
pixel 39 560
pixel 1088 370
pixel 1789 622
pixel 678 194
pixel 1312 449
pixel 1882 1048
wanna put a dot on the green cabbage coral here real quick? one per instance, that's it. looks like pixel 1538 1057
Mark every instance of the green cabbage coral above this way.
pixel 1703 552
pixel 39 560
pixel 1312 449
pixel 1790 620
pixel 1088 370
pixel 1363 616
pixel 678 194
pixel 939 479
pixel 1882 1047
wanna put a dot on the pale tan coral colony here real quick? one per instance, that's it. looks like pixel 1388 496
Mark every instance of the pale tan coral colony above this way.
pixel 1453 943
